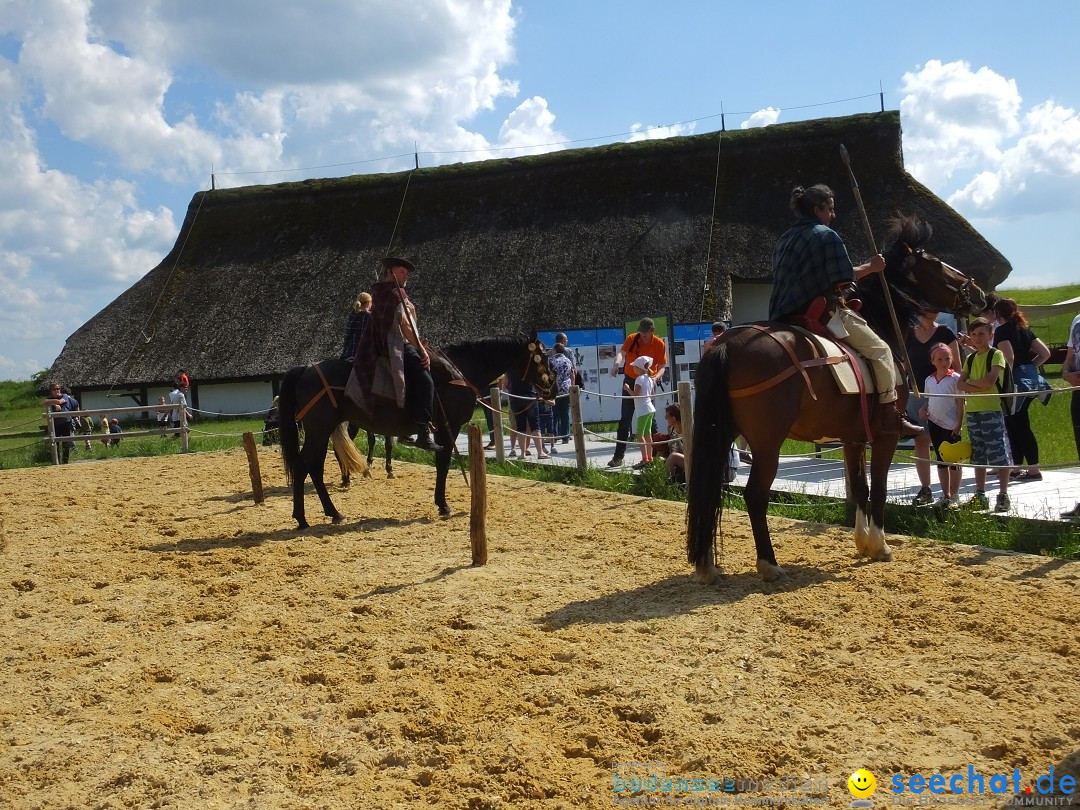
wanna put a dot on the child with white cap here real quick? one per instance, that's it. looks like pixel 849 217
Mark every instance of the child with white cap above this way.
pixel 644 408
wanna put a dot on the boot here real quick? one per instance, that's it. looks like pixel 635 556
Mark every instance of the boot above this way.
pixel 424 440
pixel 893 421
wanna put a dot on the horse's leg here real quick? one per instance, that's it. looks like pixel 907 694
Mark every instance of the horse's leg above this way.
pixel 880 461
pixel 857 493
pixel 762 475
pixel 299 475
pixel 442 467
pixel 316 469
pixel 389 455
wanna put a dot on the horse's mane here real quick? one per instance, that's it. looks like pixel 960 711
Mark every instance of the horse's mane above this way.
pixel 484 346
pixel 477 358
pixel 906 233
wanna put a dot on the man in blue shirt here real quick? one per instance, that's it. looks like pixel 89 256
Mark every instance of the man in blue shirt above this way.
pixel 811 260
pixel 58 401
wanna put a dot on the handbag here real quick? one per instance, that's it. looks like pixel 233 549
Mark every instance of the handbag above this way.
pixel 1029 380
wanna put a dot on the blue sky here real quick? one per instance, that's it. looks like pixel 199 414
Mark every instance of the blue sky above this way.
pixel 114 112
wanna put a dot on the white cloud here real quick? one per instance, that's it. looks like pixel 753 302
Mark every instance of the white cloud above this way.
pixel 762 118
pixel 62 242
pixel 163 91
pixel 956 119
pixel 1039 173
pixel 966 136
pixel 642 132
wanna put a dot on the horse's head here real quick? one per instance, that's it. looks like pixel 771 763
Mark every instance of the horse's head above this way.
pixel 928 281
pixel 942 286
pixel 536 369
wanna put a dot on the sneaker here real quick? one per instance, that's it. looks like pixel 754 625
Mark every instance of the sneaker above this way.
pixel 954 502
pixel 1002 504
pixel 1072 513
pixel 641 465
pixel 978 501
pixel 489 446
pixel 923 497
pixel 554 450
pixel 941 503
pixel 615 462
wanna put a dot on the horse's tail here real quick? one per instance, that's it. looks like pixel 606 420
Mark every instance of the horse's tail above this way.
pixel 345 450
pixel 714 431
pixel 290 436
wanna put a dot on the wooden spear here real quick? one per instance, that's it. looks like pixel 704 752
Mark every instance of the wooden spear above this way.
pixel 884 284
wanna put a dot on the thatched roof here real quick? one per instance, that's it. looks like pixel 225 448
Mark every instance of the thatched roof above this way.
pixel 261 278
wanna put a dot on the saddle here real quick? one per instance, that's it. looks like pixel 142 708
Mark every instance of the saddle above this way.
pixel 850 371
pixel 379 397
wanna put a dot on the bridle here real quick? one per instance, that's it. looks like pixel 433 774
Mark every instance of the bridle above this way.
pixel 536 370
pixel 961 293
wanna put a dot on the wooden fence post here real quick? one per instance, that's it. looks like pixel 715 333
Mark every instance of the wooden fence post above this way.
pixel 495 395
pixel 52 438
pixel 478 510
pixel 253 466
pixel 183 428
pixel 577 428
pixel 686 408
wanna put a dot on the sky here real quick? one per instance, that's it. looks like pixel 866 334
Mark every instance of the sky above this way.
pixel 113 113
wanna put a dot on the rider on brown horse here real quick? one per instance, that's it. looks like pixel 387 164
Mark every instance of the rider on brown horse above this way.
pixel 391 362
pixel 811 261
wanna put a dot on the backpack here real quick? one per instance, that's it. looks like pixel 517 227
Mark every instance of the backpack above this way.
pixel 1005 383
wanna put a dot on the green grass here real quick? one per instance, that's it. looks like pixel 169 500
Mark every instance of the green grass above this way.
pixel 1054 330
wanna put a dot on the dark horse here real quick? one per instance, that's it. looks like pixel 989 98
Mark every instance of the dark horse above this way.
pixel 317 393
pixel 736 393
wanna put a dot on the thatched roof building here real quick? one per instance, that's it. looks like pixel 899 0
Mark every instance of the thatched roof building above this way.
pixel 261 278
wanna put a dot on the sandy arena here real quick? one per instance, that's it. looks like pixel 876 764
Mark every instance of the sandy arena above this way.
pixel 169 644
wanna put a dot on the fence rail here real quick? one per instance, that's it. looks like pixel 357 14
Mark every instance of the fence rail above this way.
pixel 55 441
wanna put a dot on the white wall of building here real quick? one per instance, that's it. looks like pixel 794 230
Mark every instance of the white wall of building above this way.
pixel 241 398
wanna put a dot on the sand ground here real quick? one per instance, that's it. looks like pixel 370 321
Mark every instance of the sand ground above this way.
pixel 167 643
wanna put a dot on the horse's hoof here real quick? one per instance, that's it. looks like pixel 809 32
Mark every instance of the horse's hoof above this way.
pixel 367 473
pixel 444 512
pixel 337 518
pixel 770 572
pixel 301 525
pixel 707 575
pixel 389 474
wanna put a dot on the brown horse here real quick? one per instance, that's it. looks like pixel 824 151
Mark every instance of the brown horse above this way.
pixel 734 396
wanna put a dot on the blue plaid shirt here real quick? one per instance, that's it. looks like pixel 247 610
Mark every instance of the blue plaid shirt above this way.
pixel 809 260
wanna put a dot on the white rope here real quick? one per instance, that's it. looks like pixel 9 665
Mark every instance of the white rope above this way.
pixel 215 413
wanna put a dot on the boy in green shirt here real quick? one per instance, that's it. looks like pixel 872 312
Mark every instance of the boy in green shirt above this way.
pixel 986 423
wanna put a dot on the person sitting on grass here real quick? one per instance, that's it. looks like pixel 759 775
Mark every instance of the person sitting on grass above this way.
pixel 676 460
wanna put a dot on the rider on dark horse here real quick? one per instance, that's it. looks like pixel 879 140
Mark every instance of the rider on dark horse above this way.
pixel 390 361
pixel 811 261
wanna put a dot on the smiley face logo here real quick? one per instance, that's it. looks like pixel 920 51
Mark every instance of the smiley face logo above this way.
pixel 861 784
